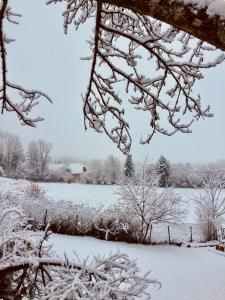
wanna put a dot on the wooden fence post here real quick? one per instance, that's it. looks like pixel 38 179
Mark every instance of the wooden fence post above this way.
pixel 76 223
pixel 191 237
pixel 168 233
pixel 150 234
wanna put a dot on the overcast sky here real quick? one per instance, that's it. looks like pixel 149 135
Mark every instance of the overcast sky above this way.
pixel 44 58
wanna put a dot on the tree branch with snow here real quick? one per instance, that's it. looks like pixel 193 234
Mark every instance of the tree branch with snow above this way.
pixel 124 39
pixel 9 92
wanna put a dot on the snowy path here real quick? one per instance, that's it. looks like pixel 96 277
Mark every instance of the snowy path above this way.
pixel 185 273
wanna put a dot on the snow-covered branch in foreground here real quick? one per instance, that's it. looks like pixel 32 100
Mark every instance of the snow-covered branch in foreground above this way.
pixel 29 269
pixel 124 45
pixel 9 92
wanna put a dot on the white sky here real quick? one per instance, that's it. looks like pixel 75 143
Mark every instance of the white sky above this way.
pixel 44 58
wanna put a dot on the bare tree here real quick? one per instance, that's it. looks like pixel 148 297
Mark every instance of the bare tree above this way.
pixel 38 157
pixel 141 199
pixel 210 201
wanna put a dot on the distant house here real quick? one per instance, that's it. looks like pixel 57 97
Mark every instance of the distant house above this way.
pixel 75 170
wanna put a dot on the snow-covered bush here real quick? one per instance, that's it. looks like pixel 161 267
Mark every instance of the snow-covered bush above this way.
pixel 33 191
pixel 68 218
pixel 115 224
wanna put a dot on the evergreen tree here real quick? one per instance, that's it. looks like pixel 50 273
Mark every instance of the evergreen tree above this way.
pixel 129 166
pixel 163 169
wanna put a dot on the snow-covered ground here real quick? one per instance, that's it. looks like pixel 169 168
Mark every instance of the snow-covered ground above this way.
pixel 93 195
pixel 185 273
pixel 105 195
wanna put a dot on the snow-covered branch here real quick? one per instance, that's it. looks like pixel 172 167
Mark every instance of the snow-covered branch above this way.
pixel 9 92
pixel 122 41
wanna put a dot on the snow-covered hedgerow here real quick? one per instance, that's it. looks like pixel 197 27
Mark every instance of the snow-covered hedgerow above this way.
pixel 113 223
pixel 28 269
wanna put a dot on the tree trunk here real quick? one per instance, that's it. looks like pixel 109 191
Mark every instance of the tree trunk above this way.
pixel 183 17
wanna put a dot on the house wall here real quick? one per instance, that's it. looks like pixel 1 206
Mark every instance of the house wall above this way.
pixel 75 178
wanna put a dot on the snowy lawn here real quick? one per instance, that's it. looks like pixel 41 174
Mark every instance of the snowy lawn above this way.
pixel 105 195
pixel 185 273
pixel 93 195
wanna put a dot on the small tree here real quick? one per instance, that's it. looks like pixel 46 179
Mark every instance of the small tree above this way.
pixel 210 201
pixel 129 167
pixel 163 169
pixel 146 204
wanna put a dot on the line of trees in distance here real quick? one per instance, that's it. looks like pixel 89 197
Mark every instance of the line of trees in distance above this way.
pixel 33 164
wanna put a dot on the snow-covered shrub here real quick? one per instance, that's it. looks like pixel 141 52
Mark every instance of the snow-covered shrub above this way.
pixel 33 191
pixel 35 205
pixel 114 224
pixel 78 220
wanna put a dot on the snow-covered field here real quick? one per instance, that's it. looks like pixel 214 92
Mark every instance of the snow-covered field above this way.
pixel 185 273
pixel 93 195
pixel 105 195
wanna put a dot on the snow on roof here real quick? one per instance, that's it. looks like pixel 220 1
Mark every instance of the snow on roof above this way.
pixel 76 168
